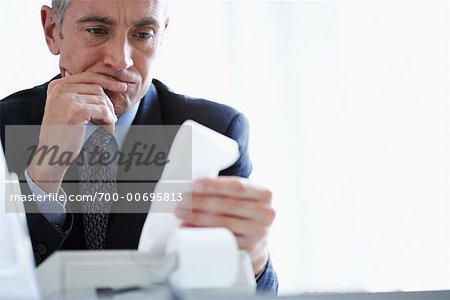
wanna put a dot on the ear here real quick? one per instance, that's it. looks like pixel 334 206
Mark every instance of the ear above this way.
pixel 51 31
pixel 164 31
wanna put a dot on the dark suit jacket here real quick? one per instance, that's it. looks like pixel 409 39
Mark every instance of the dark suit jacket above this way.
pixel 160 106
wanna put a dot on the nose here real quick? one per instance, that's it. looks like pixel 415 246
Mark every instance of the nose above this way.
pixel 118 53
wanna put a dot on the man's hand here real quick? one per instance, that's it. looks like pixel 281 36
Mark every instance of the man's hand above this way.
pixel 72 102
pixel 237 204
pixel 78 99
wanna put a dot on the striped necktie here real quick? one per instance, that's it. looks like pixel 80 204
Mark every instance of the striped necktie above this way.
pixel 97 177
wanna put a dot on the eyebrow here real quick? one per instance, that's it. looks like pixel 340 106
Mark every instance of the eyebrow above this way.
pixel 109 21
pixel 97 19
pixel 146 22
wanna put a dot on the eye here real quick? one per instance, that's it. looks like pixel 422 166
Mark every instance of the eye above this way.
pixel 144 35
pixel 96 31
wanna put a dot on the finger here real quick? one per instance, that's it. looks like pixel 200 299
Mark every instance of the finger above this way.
pixel 108 102
pixel 108 127
pixel 244 243
pixel 233 187
pixel 83 88
pixel 110 105
pixel 93 90
pixel 185 225
pixel 237 225
pixel 254 210
pixel 86 94
pixel 107 82
pixel 100 114
pixel 251 246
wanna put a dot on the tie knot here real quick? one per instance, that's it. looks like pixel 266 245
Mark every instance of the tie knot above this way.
pixel 100 138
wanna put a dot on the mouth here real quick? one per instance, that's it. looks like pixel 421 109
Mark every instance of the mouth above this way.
pixel 127 79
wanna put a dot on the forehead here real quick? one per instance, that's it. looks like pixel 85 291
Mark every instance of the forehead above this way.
pixel 120 11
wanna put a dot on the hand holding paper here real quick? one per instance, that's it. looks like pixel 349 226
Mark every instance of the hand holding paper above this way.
pixel 237 204
pixel 209 153
pixel 230 202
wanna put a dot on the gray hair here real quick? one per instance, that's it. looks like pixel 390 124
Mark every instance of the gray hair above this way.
pixel 60 7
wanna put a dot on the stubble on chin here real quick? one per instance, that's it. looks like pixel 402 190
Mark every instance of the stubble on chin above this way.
pixel 120 106
pixel 119 102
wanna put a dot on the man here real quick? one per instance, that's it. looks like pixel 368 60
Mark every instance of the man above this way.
pixel 107 49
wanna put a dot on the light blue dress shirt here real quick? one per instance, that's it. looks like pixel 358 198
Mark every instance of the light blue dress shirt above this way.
pixel 55 211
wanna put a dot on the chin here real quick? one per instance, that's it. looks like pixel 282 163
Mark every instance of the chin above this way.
pixel 120 102
pixel 120 107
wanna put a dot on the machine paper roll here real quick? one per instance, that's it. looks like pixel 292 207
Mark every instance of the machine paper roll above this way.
pixel 210 153
pixel 207 258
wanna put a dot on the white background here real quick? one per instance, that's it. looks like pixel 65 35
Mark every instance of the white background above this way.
pixel 349 114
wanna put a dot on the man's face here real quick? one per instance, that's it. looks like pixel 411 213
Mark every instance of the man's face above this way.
pixel 119 38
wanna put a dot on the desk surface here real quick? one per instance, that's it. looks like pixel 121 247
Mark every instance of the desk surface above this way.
pixel 165 293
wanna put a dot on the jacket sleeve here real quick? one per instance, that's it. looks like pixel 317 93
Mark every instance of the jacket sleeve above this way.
pixel 46 237
pixel 238 130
